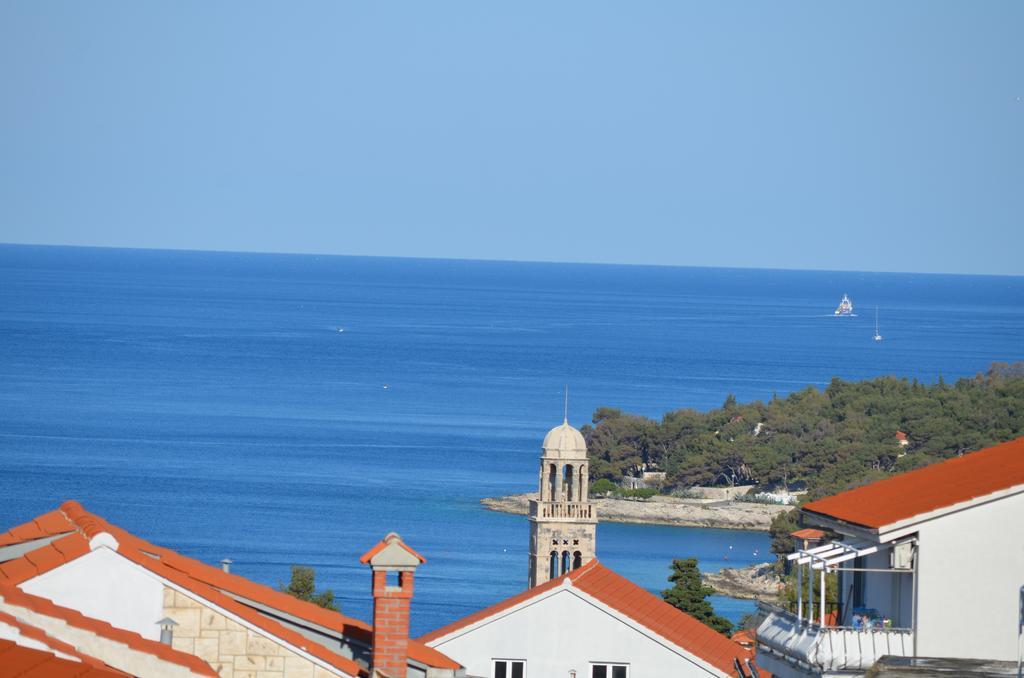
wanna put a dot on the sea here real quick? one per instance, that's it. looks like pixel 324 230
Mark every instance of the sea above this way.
pixel 293 409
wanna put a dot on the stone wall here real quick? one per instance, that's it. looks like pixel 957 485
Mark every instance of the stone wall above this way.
pixel 233 650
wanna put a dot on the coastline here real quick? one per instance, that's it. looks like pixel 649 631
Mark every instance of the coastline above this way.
pixel 755 582
pixel 660 510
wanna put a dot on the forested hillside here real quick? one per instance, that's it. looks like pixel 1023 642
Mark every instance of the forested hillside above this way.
pixel 824 441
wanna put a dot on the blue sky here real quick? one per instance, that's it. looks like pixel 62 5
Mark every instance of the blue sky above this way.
pixel 858 135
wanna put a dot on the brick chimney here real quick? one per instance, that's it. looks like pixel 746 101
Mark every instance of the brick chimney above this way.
pixel 394 565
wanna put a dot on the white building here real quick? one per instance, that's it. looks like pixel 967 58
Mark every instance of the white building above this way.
pixel 578 619
pixel 589 623
pixel 930 564
pixel 76 588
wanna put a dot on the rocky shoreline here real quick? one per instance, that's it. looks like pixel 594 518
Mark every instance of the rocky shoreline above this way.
pixel 660 510
pixel 756 582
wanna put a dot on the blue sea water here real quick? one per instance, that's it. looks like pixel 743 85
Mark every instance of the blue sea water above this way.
pixel 208 402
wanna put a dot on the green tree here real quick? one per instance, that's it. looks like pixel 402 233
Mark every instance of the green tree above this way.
pixel 689 594
pixel 821 440
pixel 782 526
pixel 603 486
pixel 303 587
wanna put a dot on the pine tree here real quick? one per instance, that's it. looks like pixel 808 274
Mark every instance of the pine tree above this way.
pixel 303 587
pixel 689 594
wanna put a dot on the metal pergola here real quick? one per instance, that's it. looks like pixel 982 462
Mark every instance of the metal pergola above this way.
pixel 822 558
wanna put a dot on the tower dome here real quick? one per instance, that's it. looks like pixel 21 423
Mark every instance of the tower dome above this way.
pixel 565 442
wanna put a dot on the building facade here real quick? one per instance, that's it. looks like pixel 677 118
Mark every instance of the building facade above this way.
pixel 929 563
pixel 588 623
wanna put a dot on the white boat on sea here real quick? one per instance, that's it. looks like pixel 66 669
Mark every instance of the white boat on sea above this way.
pixel 878 337
pixel 845 306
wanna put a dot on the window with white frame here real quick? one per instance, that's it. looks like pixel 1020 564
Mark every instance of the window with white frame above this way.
pixel 509 668
pixel 603 670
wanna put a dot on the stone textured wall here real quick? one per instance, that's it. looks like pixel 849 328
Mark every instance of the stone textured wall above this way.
pixel 558 535
pixel 233 650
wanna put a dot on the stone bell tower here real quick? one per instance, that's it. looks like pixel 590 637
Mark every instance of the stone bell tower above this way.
pixel 563 523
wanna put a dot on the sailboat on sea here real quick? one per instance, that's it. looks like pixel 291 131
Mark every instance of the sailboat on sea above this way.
pixel 878 337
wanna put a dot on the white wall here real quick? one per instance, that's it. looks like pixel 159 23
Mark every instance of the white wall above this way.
pixel 971 566
pixel 563 632
pixel 105 586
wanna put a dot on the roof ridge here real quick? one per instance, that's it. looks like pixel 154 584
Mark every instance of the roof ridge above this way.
pixel 31 661
pixel 15 596
pixel 928 489
pixel 601 583
pixel 53 645
pixel 509 602
pixel 661 620
pixel 253 617
pixel 209 580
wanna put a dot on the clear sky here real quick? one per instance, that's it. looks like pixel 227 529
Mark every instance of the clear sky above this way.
pixel 854 135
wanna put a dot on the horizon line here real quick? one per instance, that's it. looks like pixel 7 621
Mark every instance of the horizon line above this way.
pixel 505 261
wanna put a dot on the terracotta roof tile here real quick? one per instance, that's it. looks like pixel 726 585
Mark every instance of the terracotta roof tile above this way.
pixel 45 559
pixel 18 570
pixel 927 489
pixel 70 547
pixel 25 662
pixel 634 602
pixel 808 533
pixel 18 598
pixel 208 582
pixel 500 606
pixel 45 525
pixel 245 588
pixel 53 644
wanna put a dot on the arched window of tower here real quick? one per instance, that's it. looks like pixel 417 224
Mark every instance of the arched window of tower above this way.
pixel 565 562
pixel 553 567
pixel 552 483
pixel 577 560
pixel 569 475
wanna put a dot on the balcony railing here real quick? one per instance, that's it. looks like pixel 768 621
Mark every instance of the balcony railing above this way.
pixel 564 509
pixel 783 637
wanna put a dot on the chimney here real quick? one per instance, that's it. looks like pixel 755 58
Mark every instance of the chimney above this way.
pixel 225 565
pixel 394 565
pixel 167 630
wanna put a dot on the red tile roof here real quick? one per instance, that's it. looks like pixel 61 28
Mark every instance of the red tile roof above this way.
pixel 808 533
pixel 45 525
pixel 927 489
pixel 16 597
pixel 900 435
pixel 52 644
pixel 632 601
pixel 45 558
pixel 207 582
pixel 745 637
pixel 25 662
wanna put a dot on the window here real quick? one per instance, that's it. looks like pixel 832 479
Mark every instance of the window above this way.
pixel 509 668
pixel 609 671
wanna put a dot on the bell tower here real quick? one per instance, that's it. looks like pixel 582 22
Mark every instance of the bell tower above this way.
pixel 563 522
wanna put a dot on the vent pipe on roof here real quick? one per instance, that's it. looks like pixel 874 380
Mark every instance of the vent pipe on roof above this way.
pixel 167 630
pixel 226 565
